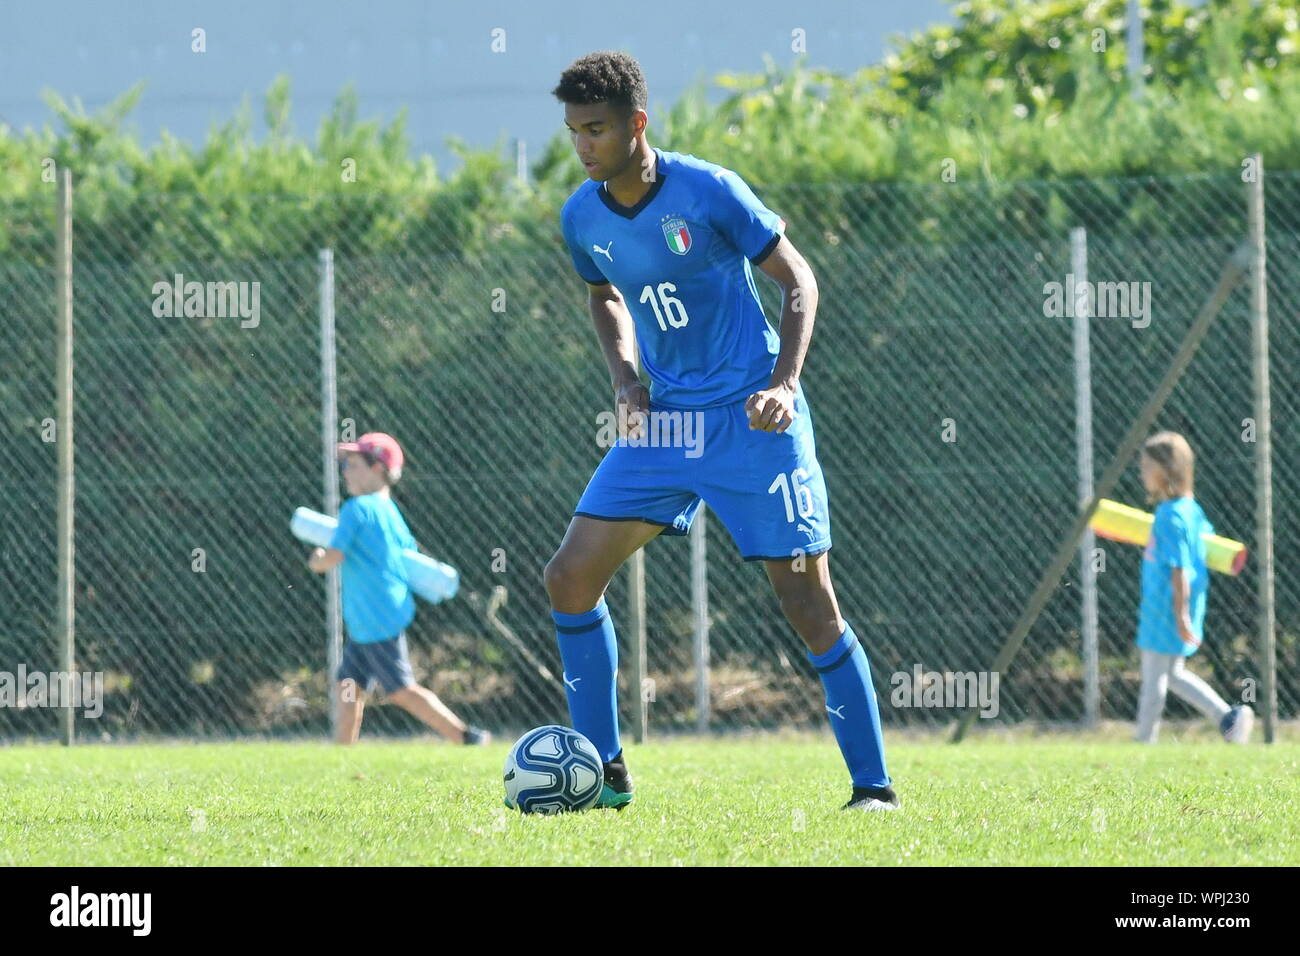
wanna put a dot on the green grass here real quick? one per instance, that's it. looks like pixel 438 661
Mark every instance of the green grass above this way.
pixel 751 801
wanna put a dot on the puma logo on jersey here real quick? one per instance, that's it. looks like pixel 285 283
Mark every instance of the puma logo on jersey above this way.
pixel 604 252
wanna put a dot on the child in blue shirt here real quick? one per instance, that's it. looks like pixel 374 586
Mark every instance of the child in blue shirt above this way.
pixel 1175 583
pixel 377 602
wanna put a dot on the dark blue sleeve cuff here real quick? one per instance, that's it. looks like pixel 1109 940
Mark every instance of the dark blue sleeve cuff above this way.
pixel 766 250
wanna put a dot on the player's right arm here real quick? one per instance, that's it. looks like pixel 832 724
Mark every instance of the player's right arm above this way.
pixel 615 329
pixel 326 559
pixel 616 333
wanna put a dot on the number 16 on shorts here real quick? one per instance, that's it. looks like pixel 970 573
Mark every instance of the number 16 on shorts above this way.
pixel 807 525
pixel 801 497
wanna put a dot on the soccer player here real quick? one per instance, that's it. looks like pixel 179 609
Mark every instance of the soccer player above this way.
pixel 665 242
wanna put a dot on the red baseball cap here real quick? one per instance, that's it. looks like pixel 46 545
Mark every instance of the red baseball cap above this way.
pixel 383 448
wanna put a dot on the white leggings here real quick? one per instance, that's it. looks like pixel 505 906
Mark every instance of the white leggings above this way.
pixel 1162 673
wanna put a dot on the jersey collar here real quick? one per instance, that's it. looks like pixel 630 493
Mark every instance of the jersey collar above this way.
pixel 630 212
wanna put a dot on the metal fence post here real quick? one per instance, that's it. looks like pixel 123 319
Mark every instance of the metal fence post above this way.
pixel 521 161
pixel 1083 454
pixel 637 636
pixel 1135 49
pixel 700 616
pixel 329 413
pixel 66 625
pixel 1263 450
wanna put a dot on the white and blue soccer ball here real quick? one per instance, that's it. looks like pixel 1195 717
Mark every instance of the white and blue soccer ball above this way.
pixel 553 769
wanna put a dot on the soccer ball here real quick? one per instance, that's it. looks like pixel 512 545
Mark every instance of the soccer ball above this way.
pixel 553 769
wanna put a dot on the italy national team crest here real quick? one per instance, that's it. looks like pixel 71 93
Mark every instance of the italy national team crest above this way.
pixel 678 236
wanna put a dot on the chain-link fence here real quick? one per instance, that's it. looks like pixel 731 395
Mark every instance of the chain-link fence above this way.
pixel 942 387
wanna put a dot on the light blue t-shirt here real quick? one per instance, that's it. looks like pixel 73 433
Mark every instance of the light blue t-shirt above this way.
pixel 377 602
pixel 681 259
pixel 1175 542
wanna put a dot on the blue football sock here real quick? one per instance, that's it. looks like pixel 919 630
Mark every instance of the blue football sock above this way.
pixel 852 710
pixel 589 650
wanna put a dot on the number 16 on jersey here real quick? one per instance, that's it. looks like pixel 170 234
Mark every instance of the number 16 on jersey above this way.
pixel 665 306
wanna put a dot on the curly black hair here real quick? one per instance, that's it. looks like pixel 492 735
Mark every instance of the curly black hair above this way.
pixel 604 77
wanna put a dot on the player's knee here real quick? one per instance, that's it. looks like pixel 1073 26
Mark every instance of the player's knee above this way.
pixel 564 582
pixel 810 613
pixel 554 575
pixel 810 625
pixel 798 601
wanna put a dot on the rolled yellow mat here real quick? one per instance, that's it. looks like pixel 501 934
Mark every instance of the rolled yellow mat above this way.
pixel 1117 522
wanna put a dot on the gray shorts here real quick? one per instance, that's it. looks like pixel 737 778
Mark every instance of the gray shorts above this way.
pixel 377 662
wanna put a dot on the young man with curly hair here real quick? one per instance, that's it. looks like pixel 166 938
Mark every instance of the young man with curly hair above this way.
pixel 665 242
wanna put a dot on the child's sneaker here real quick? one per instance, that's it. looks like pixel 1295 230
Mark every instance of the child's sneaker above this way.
pixel 617 791
pixel 872 798
pixel 1236 724
pixel 476 737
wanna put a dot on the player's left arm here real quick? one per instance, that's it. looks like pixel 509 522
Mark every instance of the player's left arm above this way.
pixel 1174 553
pixel 772 409
pixel 1182 615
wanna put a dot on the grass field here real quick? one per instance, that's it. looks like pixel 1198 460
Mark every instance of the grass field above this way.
pixel 1058 801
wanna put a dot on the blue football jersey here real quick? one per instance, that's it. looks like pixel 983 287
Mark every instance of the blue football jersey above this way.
pixel 681 260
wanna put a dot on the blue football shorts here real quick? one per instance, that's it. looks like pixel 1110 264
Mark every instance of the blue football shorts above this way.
pixel 385 663
pixel 767 488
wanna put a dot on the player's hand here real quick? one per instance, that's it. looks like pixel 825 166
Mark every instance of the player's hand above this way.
pixel 316 555
pixel 1185 632
pixel 771 409
pixel 631 405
